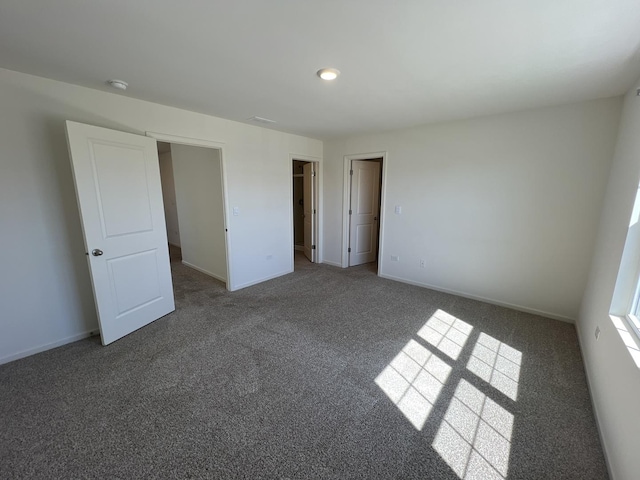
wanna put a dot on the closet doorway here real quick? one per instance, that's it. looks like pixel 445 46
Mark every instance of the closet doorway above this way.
pixel 193 197
pixel 305 211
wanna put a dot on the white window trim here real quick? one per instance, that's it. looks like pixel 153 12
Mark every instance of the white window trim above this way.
pixel 634 323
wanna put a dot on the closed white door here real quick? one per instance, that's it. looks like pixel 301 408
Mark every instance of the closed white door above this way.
pixel 117 179
pixel 308 199
pixel 364 212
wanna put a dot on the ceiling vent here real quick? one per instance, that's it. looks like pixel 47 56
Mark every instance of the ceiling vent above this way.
pixel 261 120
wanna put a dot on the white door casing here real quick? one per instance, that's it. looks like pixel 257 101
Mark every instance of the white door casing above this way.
pixel 364 212
pixel 117 180
pixel 309 211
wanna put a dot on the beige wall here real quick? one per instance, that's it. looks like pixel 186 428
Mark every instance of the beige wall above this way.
pixel 45 291
pixel 200 205
pixel 613 375
pixel 503 208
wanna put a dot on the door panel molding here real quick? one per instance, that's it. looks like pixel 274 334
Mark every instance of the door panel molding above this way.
pixel 364 211
pixel 346 197
pixel 122 217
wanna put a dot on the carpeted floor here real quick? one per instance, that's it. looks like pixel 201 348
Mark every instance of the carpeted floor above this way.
pixel 324 373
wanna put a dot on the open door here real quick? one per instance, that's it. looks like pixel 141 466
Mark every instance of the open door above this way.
pixel 309 211
pixel 117 180
pixel 363 211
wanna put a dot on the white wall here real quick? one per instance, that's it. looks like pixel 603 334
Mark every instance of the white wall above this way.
pixel 198 182
pixel 169 198
pixel 614 377
pixel 503 208
pixel 45 290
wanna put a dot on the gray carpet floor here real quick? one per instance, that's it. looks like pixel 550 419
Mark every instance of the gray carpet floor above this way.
pixel 324 373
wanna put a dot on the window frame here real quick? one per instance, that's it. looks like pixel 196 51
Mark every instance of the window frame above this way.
pixel 633 314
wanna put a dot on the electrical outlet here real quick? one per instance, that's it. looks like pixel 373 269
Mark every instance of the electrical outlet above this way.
pixel 422 262
pixel 597 332
pixel 398 210
pixel 236 211
pixel 395 258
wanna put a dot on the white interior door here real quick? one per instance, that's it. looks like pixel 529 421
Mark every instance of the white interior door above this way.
pixel 117 179
pixel 364 212
pixel 308 199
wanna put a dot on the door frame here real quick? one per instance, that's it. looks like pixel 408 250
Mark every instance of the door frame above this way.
pixel 318 225
pixel 346 200
pixel 197 142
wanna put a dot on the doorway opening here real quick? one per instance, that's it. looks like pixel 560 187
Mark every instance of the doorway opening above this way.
pixel 305 212
pixel 363 200
pixel 193 197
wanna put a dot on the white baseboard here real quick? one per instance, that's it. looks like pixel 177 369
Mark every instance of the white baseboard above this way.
pixel 206 272
pixel 333 264
pixel 542 313
pixel 260 280
pixel 47 346
pixel 594 405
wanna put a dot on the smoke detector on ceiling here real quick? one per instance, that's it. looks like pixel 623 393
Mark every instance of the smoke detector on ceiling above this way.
pixel 119 84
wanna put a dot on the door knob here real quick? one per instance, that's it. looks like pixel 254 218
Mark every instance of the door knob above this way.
pixel 96 252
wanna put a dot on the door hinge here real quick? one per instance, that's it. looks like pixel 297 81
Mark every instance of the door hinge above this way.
pixel 350 212
pixel 314 211
pixel 313 247
pixel 349 250
pixel 351 172
pixel 313 174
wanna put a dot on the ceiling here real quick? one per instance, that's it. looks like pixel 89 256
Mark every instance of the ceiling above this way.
pixel 403 62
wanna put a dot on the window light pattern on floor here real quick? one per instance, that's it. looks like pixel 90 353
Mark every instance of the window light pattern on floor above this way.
pixel 474 436
pixel 413 380
pixel 497 364
pixel 445 332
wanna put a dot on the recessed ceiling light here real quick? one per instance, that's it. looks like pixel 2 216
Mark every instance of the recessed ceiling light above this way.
pixel 328 73
pixel 119 84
